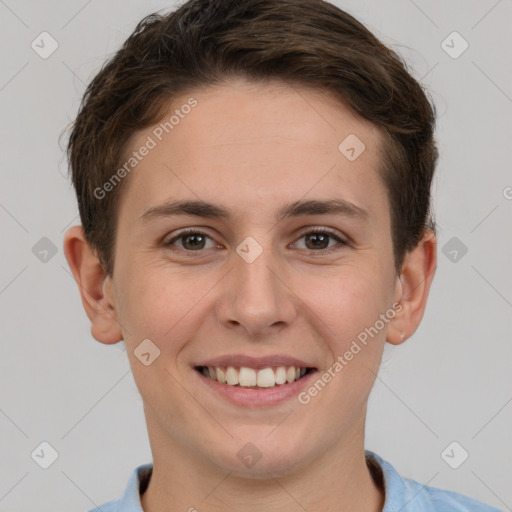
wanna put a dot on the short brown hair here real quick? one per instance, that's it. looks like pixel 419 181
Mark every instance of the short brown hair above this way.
pixel 204 42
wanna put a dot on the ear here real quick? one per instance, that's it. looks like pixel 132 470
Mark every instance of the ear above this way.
pixel 95 287
pixel 412 288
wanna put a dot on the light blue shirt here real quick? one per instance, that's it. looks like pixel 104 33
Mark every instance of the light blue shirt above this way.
pixel 402 494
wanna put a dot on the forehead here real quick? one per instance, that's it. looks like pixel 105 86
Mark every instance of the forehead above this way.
pixel 252 144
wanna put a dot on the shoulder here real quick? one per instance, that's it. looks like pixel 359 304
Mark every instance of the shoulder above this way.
pixel 441 500
pixel 130 500
pixel 407 495
pixel 111 506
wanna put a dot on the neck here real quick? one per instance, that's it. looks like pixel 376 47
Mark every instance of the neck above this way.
pixel 339 480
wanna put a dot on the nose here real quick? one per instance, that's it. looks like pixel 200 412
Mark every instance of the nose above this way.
pixel 256 298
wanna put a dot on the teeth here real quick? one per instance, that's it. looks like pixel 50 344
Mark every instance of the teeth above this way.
pixel 231 376
pixel 249 377
pixel 266 378
pixel 221 377
pixel 281 375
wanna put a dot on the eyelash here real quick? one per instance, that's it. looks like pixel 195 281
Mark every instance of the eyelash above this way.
pixel 316 231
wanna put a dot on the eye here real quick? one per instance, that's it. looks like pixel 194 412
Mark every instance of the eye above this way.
pixel 191 240
pixel 320 239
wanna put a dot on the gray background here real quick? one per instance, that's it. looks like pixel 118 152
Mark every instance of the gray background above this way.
pixel 449 382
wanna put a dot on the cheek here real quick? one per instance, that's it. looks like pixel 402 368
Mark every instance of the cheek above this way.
pixel 347 301
pixel 168 306
pixel 157 303
pixel 347 307
pixel 164 307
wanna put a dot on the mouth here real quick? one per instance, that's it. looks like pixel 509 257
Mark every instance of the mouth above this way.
pixel 255 378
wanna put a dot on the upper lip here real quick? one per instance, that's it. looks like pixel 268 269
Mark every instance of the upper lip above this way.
pixel 239 360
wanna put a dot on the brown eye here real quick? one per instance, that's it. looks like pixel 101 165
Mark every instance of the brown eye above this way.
pixel 317 241
pixel 321 239
pixel 191 241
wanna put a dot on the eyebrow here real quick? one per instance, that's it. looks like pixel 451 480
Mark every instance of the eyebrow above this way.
pixel 295 209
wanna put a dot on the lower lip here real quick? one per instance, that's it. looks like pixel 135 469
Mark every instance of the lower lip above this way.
pixel 258 398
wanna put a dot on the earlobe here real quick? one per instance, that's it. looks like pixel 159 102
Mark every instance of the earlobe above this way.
pixel 94 286
pixel 413 287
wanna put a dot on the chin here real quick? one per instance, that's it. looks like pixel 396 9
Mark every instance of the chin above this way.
pixel 275 455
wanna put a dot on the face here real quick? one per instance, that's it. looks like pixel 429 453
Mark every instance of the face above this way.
pixel 283 259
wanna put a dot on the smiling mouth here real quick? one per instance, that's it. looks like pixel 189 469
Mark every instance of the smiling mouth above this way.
pixel 244 377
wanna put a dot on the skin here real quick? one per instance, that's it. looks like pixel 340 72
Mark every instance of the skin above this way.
pixel 253 149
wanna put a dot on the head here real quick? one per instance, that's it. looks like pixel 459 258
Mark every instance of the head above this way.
pixel 266 120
